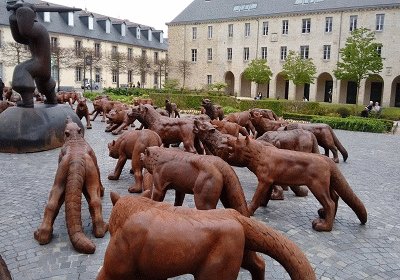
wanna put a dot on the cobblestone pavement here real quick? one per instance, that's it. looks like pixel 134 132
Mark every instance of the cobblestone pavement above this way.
pixel 349 251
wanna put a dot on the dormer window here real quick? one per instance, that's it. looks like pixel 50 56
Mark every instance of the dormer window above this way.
pixel 138 32
pixel 46 16
pixel 108 26
pixel 90 23
pixel 150 35
pixel 70 19
pixel 162 37
pixel 123 29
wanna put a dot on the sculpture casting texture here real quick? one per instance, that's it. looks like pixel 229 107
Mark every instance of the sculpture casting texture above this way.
pixel 4 104
pixel 211 110
pixel 284 167
pixel 129 146
pixel 168 241
pixel 77 173
pixel 83 111
pixel 120 119
pixel 263 125
pixel 171 130
pixel 4 272
pixel 208 178
pixel 242 119
pixel 172 109
pixel 229 128
pixel 325 136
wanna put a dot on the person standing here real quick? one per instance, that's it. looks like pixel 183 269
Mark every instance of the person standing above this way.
pixel 1 89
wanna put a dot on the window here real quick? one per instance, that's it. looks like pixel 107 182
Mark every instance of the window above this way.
pixel 194 55
pixel 108 26
pixel 229 54
pixel 379 50
pixel 209 79
pixel 114 76
pixel 264 53
pixel 265 28
pixel 283 52
pixel 328 24
pixel 138 33
pixel 114 51
pixel 130 54
pixel 123 31
pixel 97 50
pixel 306 28
pixel 155 78
pixel 230 30
pixel 194 33
pixel 246 54
pixel 210 32
pixel 380 19
pixel 304 50
pixel 78 48
pixel 70 18
pixel 78 74
pixel 130 76
pixel 327 52
pixel 285 27
pixel 353 23
pixel 1 42
pixel 247 29
pixel 46 16
pixel 90 23
pixel 97 75
pixel 53 42
pixel 155 57
pixel 209 54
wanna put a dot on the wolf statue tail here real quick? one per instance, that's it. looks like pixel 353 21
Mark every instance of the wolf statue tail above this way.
pixel 73 196
pixel 339 145
pixel 263 239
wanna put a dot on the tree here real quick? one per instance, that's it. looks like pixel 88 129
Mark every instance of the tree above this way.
pixel 184 68
pixel 218 85
pixel 117 63
pixel 359 57
pixel 61 58
pixel 13 53
pixel 161 66
pixel 141 65
pixel 300 71
pixel 258 71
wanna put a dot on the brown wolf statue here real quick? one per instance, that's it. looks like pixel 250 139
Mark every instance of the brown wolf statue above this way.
pixel 208 178
pixel 83 111
pixel 291 168
pixel 166 241
pixel 229 128
pixel 211 110
pixel 242 119
pixel 77 173
pixel 129 146
pixel 325 136
pixel 172 109
pixel 4 272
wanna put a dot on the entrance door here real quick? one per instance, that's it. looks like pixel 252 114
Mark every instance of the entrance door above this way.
pixel 328 91
pixel 376 92
pixel 351 93
pixel 307 91
pixel 397 97
pixel 287 89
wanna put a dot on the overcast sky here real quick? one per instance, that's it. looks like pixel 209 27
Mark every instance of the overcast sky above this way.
pixel 154 13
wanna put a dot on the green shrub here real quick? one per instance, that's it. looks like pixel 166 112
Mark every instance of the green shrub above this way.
pixel 354 124
pixel 229 109
pixel 343 112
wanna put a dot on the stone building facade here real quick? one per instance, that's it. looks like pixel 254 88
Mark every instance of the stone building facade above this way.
pixel 220 38
pixel 90 40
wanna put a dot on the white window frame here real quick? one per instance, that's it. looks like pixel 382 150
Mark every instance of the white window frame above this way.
pixel 353 23
pixel 265 28
pixel 230 30
pixel 327 52
pixel 209 54
pixel 108 26
pixel 114 74
pixel 78 74
pixel 90 23
pixel 328 24
pixel 123 30
pixel 247 29
pixel 138 33
pixel 130 76
pixel 46 17
pixel 194 33
pixel 306 26
pixel 97 49
pixel 246 53
pixel 129 55
pixel 379 50
pixel 194 55
pixel 97 75
pixel 285 27
pixel 283 53
pixel 209 79
pixel 305 52
pixel 229 54
pixel 380 21
pixel 210 32
pixel 70 18
pixel 264 53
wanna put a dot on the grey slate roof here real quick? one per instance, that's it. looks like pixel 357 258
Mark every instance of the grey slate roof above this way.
pixel 58 24
pixel 220 10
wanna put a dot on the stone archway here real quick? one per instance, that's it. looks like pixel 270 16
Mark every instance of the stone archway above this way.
pixel 347 92
pixel 245 87
pixel 395 93
pixel 373 89
pixel 324 85
pixel 282 87
pixel 230 81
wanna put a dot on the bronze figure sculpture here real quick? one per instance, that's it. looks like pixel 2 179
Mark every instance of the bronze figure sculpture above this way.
pixel 83 111
pixel 129 146
pixel 229 128
pixel 168 241
pixel 209 179
pixel 4 272
pixel 172 109
pixel 291 168
pixel 211 110
pixel 242 119
pixel 77 174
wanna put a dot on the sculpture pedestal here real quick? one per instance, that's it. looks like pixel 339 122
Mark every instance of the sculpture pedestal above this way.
pixel 27 130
